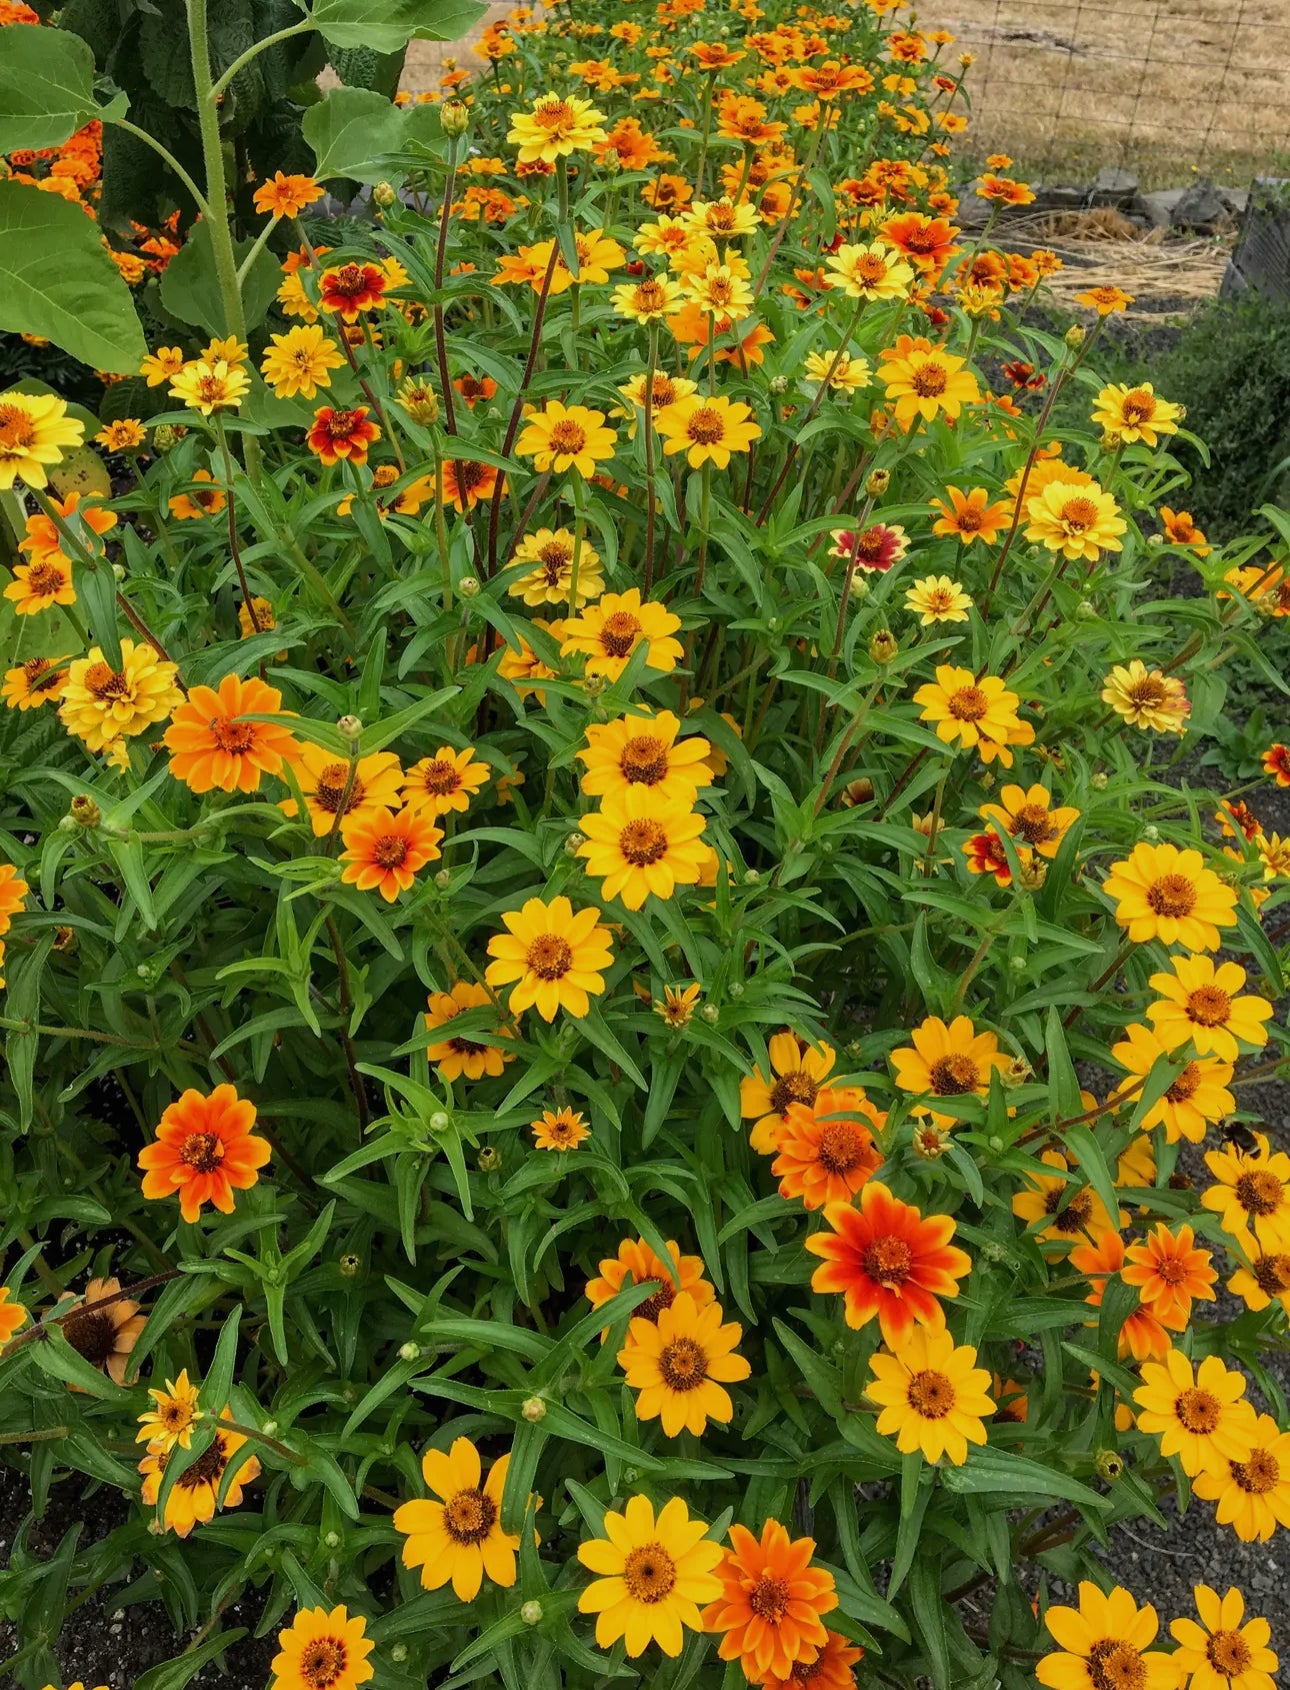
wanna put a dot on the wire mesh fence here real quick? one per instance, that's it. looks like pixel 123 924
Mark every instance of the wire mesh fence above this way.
pixel 1168 86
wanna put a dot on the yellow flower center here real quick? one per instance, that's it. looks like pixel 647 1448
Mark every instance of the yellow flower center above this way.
pixel 202 1152
pixel 568 437
pixel 840 1149
pixel 705 426
pixel 769 1598
pixel 930 380
pixel 322 1661
pixel 17 431
pixel 1113 1665
pixel 1172 895
pixel 1078 515
pixel 1208 1006
pixel 1198 1411
pixel 1147 693
pixel 469 1516
pixel 1257 1476
pixel 440 777
pixel 549 956
pixel 683 1364
pixel 1139 406
pixel 930 1394
pixel 889 1261
pixel 1259 1192
pixel 720 290
pixel 954 1075
pixel 554 115
pixel 651 296
pixel 643 842
pixel 968 704
pixel 870 269
pixel 618 633
pixel 1228 1653
pixel 649 1573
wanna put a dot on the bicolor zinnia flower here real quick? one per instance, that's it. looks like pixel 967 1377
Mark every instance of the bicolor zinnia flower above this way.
pixel 888 1261
pixel 1202 1417
pixel 1161 892
pixel 770 1604
pixel 652 1574
pixel 102 705
pixel 932 1395
pixel 680 1362
pixel 457 1537
pixel 204 1152
pixel 212 747
pixel 607 634
pixel 321 1650
pixel 875 549
pixel 385 851
pixel 457 1056
pixel 1105 1641
pixel 551 958
pixel 337 434
pixel 1276 762
pixel 350 289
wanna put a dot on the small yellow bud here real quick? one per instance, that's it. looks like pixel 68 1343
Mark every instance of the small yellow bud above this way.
pixel 878 483
pixel 533 1409
pixel 883 646
pixel 454 118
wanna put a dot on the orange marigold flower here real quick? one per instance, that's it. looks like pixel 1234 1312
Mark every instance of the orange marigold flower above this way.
pixel 198 501
pixel 825 1154
pixel 350 289
pixel 830 1670
pixel 561 1129
pixel 1105 300
pixel 384 851
pixel 342 434
pixel 212 747
pixel 286 196
pixel 204 1151
pixel 771 1602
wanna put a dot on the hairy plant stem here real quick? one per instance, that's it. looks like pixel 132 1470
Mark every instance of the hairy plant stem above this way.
pixel 441 248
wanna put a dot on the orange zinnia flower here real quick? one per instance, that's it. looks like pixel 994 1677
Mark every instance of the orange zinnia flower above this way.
pixel 970 516
pixel 1169 1273
pixel 1142 1336
pixel 475 388
pixel 888 1261
pixel 286 196
pixel 770 1603
pixel 383 852
pixel 927 242
pixel 467 484
pixel 211 747
pixel 342 434
pixel 824 1157
pixel 830 1670
pixel 352 288
pixel 204 1151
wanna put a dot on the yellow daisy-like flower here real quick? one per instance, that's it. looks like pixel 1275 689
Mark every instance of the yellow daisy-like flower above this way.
pixel 1202 1417
pixel 126 434
pixel 642 844
pixel 174 1418
pixel 457 1057
pixel 1253 1494
pixel 1077 520
pixel 1197 1095
pixel 1062 1208
pixel 721 220
pixel 643 751
pixel 1267 1279
pixel 936 598
pixel 563 437
pixel 797 1072
pixel 868 272
pixel 550 957
pixel 300 361
pixel 1251 1196
pixel 101 705
pixel 652 1575
pixel 447 781
pixel 229 348
pixel 651 300
pixel 1164 893
pixel 926 384
pixel 161 367
pixel 609 632
pixel 1201 1002
pixel 1029 816
pixel 12 1315
pixel 943 1060
pixel 330 789
pixel 559 1129
pixel 980 713
pixel 843 372
pixel 677 1006
pixel 211 387
pixel 1147 698
pixel 1105 1642
pixel 680 1364
pixel 323 1651
pixel 933 1396
pixel 554 128
pixel 35 431
pixel 45 581
pixel 1221 1653
pixel 40 680
pixel 196 1493
pixel 459 1538
pixel 550 579
pixel 1129 414
pixel 707 430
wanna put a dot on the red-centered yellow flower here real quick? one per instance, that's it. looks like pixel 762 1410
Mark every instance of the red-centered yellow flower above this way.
pixel 337 434
pixel 1141 1336
pixel 936 598
pixel 332 787
pixel 680 1363
pixel 707 430
pixel 947 1060
pixel 1170 1273
pixel 555 127
pixel 551 958
pixel 797 1071
pixel 874 271
pixel 926 384
pixel 928 242
pixel 300 361
pixel 652 1574
pixel 1130 414
pixel 447 781
pixel 770 1603
pixel 1077 520
pixel 1163 893
pixel 1106 1641
pixel 644 751
pixel 636 1264
pixel 457 1057
pixel 286 196
pixel 459 1538
pixel 1253 1495
pixel 177 1414
pixel 208 388
pixel 608 633
pixel 977 713
pixel 1201 1417
pixel 970 516
pixel 350 289
pixel 1029 816
pixel 1200 1002
pixel 211 746
pixel 549 553
pixel 35 431
pixel 1267 1279
pixel 932 1395
pixel 1251 1196
pixel 385 852
pixel 102 705
pixel 1147 698
pixel 825 1154
pixel 204 1151
pixel 12 1316
pixel 641 844
pixel 196 1493
pixel 887 1260
pixel 321 1650
pixel 559 1129
pixel 1060 1207
pixel 1197 1095
pixel 564 437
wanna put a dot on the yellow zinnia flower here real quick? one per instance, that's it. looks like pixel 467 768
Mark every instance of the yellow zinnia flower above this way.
pixel 707 429
pixel 1200 1002
pixel 650 300
pixel 1077 520
pixel 174 1418
pixel 561 438
pixel 1201 1417
pixel 1029 816
pixel 549 580
pixel 40 680
pixel 643 751
pixel 680 1364
pixel 1163 893
pixel 936 598
pixel 1147 698
pixel 843 372
pixel 321 1650
pixel 459 1538
pixel 943 1060
pixel 1105 1641
pixel 720 290
pixel 300 361
pixel 797 1071
pixel 554 128
pixel 196 1493
pixel 101 704
pixel 869 272
pixel 926 383
pixel 980 713
pixel 652 1574
pixel 641 844
pixel 1128 414
pixel 1253 1495
pixel 550 957
pixel 609 632
pixel 933 1396
pixel 456 1057
pixel 210 387
pixel 35 430
pixel 1061 1208
pixel 1197 1095
pixel 1251 1196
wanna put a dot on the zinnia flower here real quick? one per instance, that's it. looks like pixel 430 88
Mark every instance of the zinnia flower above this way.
pixel 286 196
pixel 980 713
pixel 609 632
pixel 707 430
pixel 175 1417
pixel 385 852
pixel 458 1538
pixel 1200 1002
pixel 1129 414
pixel 12 1316
pixel 457 1057
pixel 563 437
pixel 1029 816
pixel 1253 1494
pixel 350 289
pixel 210 387
pixel 1251 1196
pixel 679 1364
pixel 35 431
pixel 1105 1641
pixel 1061 1208
pixel 551 958
pixel 555 127
pixel 652 1575
pixel 645 751
pixel 927 383
pixel 445 782
pixel 550 578
pixel 641 844
pixel 300 361
pixel 1161 892
pixel 947 1060
pixel 868 272
pixel 195 1494
pixel 40 680
pixel 936 598
pixel 321 1650
pixel 212 747
pixel 199 500
pixel 204 1152
pixel 1077 520
pixel 103 1327
pixel 770 1603
pixel 332 786
pixel 970 516
pixel 102 705
pixel 1201 1417
pixel 342 434
pixel 932 1395
pixel 1170 1273
pixel 825 1155
pixel 797 1071
pixel 1147 698
pixel 559 1129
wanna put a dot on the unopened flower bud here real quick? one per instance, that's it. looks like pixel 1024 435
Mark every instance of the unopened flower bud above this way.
pixel 1018 964
pixel 269 1428
pixel 531 1612
pixel 711 1014
pixel 332 1540
pixel 1100 780
pixel 856 792
pixel 1076 335
pixel 752 877
pixel 1109 1465
pixel 1151 833
pixel 878 483
pixel 420 401
pixel 443 880
pixel 350 1264
pixel 1155 540
pixel 930 1141
pixel 594 685
pixel 350 728
pixel 1085 609
pixel 468 587
pixel 454 118
pixel 573 843
pixel 1034 873
pixel 883 646
pixel 440 1121
pixel 772 624
pixel 736 988
pixel 611 164
pixel 994 1143
pixel 490 1160
pixel 398 1653
pixel 778 385
pixel 409 1352
pixel 118 572
pixel 384 195
pixel 1017 1072
pixel 533 1409
pixel 988 781
pixel 164 436
pixel 860 589
pixel 85 812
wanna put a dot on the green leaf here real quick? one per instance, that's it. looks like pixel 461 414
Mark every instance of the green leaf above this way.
pixel 46 87
pixel 990 1471
pixel 190 285
pixel 351 132
pixel 57 281
pixel 384 25
pixel 174 1675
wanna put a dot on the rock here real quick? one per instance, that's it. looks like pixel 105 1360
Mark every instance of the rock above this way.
pixel 1114 187
pixel 1202 209
pixel 1159 207
pixel 1060 196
